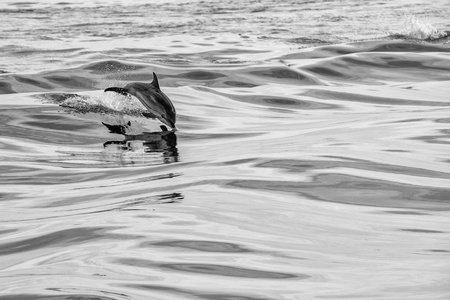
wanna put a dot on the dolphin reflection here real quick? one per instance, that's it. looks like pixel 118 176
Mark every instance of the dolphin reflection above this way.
pixel 164 142
pixel 151 96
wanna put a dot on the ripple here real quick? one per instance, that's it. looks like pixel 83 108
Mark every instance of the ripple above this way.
pixel 200 75
pixel 6 88
pixel 210 269
pixel 357 191
pixel 77 82
pixel 284 73
pixel 353 97
pixel 194 293
pixel 281 102
pixel 33 82
pixel 204 246
pixel 59 238
pixel 422 230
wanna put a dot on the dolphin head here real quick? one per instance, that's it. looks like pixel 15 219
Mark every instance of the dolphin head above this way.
pixel 151 96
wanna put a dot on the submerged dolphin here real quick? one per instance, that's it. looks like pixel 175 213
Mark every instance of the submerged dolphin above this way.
pixel 152 98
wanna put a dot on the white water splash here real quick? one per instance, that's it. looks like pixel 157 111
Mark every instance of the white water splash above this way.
pixel 106 102
pixel 416 28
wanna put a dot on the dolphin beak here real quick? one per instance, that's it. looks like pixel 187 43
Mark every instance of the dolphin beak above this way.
pixel 117 90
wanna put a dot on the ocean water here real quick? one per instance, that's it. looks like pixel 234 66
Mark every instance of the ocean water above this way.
pixel 311 158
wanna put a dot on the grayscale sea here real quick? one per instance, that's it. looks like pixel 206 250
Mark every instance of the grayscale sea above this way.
pixel 311 158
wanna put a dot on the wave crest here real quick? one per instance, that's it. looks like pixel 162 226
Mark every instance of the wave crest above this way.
pixel 415 28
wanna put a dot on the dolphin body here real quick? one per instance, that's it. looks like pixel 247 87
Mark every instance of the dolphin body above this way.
pixel 152 98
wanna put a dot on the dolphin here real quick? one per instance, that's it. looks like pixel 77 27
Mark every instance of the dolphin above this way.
pixel 152 98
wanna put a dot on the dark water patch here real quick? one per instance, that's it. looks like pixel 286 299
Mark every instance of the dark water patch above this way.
pixel 365 47
pixel 442 120
pixel 357 191
pixel 351 97
pixel 284 73
pixel 200 75
pixel 58 123
pixel 393 62
pixel 284 102
pixel 13 124
pixel 54 297
pixel 204 246
pixel 210 269
pixel 239 161
pixel 6 88
pixel 326 71
pixel 439 251
pixel 240 84
pixel 203 44
pixel 405 212
pixel 139 50
pixel 10 196
pixel 25 3
pixel 406 121
pixel 404 47
pixel 443 138
pixel 422 230
pixel 372 68
pixel 259 9
pixel 2 232
pixel 397 150
pixel 33 82
pixel 112 66
pixel 25 51
pixel 276 102
pixel 221 270
pixel 61 238
pixel 189 293
pixel 19 10
pixel 76 82
pixel 45 117
pixel 301 166
pixel 99 24
pixel 46 178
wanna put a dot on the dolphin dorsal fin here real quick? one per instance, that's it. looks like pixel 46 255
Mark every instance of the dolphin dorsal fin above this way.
pixel 155 82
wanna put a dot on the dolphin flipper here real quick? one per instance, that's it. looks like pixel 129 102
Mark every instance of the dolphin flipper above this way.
pixel 117 90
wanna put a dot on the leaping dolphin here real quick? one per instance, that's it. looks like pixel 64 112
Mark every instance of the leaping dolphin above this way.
pixel 152 98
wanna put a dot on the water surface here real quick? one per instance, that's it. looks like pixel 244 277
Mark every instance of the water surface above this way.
pixel 305 166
